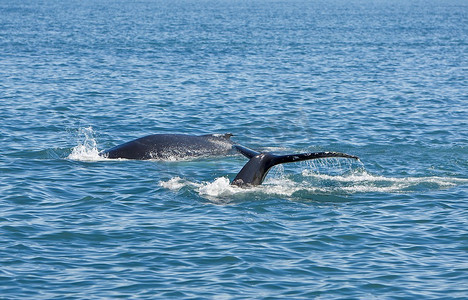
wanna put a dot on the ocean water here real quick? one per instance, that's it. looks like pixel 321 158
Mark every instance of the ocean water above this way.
pixel 386 81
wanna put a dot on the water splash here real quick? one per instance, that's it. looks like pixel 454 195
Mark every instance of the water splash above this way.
pixel 176 183
pixel 221 187
pixel 86 150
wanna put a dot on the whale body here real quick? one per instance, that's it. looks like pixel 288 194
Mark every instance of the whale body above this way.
pixel 169 146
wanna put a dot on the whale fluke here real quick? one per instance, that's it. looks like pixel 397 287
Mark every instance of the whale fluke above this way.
pixel 247 152
pixel 255 170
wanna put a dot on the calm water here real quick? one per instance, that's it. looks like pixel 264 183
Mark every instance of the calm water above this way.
pixel 386 82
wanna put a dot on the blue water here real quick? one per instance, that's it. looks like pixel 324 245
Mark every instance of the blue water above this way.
pixel 384 81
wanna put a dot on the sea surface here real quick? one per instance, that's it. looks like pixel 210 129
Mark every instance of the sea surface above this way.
pixel 383 80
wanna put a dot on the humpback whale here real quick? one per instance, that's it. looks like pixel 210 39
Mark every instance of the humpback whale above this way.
pixel 165 146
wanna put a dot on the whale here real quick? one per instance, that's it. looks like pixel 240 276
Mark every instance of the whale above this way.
pixel 180 146
pixel 172 146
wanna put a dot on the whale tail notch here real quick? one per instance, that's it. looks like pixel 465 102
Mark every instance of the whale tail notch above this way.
pixel 254 171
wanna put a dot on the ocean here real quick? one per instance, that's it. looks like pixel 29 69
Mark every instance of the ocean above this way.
pixel 383 80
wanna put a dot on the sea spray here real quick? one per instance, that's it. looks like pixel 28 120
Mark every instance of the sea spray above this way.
pixel 86 148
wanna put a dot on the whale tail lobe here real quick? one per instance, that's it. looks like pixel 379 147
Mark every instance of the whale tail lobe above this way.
pixel 254 171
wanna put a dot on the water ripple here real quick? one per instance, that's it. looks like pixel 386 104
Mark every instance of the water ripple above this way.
pixel 384 81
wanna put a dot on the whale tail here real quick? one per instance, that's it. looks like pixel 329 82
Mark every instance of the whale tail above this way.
pixel 255 170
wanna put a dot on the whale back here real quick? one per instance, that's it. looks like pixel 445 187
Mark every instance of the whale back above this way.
pixel 172 146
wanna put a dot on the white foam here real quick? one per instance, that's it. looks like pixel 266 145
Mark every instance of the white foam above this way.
pixel 221 187
pixel 281 186
pixel 218 188
pixel 359 182
pixel 174 184
pixel 364 176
